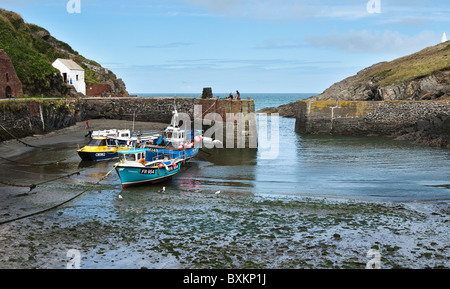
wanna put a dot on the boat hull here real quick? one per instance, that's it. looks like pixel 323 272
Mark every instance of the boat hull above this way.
pixel 136 176
pixel 97 156
pixel 184 154
pixel 98 153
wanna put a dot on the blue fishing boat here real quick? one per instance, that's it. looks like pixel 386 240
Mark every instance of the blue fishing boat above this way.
pixel 138 167
pixel 177 142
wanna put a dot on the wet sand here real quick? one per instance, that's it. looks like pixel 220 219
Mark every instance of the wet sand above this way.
pixel 191 228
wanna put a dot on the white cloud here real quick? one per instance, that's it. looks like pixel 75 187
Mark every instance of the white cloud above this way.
pixel 375 41
pixel 166 45
pixel 405 12
pixel 259 9
pixel 221 5
pixel 285 10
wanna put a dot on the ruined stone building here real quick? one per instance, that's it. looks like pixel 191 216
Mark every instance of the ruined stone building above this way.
pixel 10 84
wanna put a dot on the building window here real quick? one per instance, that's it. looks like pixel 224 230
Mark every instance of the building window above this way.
pixel 77 77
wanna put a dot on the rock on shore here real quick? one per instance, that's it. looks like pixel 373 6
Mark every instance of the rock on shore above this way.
pixel 285 110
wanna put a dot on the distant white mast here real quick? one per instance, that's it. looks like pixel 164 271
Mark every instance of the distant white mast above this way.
pixel 444 38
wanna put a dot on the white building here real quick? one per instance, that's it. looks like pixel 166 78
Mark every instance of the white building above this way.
pixel 444 38
pixel 72 73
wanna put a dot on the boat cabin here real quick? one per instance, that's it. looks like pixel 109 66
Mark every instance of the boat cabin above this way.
pixel 98 142
pixel 105 142
pixel 139 154
pixel 174 133
pixel 132 156
pixel 124 133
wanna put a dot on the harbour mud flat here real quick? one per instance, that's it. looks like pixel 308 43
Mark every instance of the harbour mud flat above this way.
pixel 190 227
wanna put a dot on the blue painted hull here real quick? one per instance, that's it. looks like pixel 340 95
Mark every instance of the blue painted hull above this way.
pixel 186 154
pixel 134 176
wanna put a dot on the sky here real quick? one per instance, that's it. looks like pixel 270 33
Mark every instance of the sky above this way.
pixel 254 46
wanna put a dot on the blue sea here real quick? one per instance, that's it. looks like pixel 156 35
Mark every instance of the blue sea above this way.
pixel 262 100
pixel 363 168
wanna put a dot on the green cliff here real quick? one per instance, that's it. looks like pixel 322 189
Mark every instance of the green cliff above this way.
pixel 424 75
pixel 421 76
pixel 32 50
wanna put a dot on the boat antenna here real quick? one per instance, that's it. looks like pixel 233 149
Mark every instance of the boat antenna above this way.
pixel 134 116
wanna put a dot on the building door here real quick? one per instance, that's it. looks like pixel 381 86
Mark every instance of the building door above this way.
pixel 8 92
pixel 65 77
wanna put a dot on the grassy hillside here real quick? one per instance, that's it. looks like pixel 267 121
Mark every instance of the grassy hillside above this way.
pixel 32 50
pixel 424 75
pixel 421 64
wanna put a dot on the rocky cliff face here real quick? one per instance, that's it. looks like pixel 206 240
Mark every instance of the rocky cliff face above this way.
pixel 424 75
pixel 101 75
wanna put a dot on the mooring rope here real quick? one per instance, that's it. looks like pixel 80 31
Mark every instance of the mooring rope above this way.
pixel 14 185
pixel 33 186
pixel 60 204
pixel 16 138
pixel 35 165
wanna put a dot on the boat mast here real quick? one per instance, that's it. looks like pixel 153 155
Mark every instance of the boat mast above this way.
pixel 134 116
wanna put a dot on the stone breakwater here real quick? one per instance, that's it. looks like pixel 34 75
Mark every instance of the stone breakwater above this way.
pixel 425 122
pixel 25 117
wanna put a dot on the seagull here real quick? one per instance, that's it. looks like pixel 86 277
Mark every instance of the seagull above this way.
pixel 163 190
pixel 218 192
pixel 120 197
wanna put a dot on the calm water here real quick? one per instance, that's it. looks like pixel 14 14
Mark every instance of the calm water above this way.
pixel 246 226
pixel 368 168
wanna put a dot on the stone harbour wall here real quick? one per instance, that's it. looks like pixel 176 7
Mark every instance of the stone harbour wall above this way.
pixel 24 117
pixel 157 109
pixel 426 122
